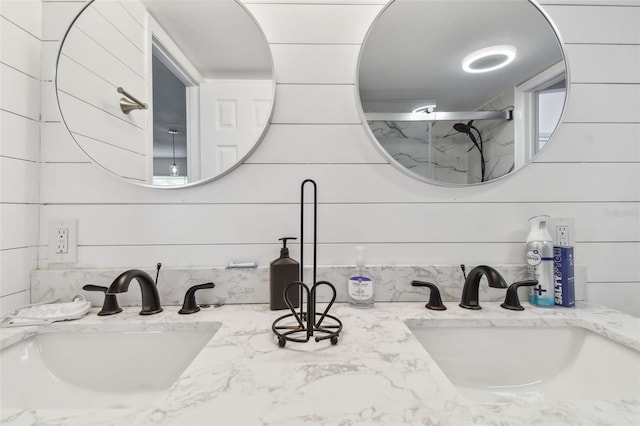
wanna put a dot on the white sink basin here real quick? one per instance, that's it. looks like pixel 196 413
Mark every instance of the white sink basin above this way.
pixel 535 364
pixel 96 369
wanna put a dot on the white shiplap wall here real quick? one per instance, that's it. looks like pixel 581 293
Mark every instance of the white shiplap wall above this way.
pixel 21 39
pixel 590 171
pixel 87 87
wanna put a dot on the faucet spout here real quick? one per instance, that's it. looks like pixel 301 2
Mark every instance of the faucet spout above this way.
pixel 150 296
pixel 472 285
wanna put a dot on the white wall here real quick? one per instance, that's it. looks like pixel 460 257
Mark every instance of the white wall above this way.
pixel 20 38
pixel 590 171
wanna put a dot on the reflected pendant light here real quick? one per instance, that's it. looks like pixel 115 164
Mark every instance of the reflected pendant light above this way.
pixel 174 169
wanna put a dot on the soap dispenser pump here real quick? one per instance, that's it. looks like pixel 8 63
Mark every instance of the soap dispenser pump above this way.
pixel 282 272
pixel 360 286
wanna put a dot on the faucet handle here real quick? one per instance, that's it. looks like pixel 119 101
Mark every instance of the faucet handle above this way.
pixel 511 300
pixel 110 305
pixel 190 306
pixel 435 301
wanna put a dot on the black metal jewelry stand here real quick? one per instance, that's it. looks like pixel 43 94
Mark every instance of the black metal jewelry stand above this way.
pixel 305 324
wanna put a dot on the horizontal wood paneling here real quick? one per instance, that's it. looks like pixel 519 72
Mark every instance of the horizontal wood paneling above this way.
pixel 19 225
pixel 258 183
pixel 135 9
pixel 590 2
pixel 120 18
pixel 594 143
pixel 57 145
pixel 25 13
pixel 101 96
pixel 19 48
pixel 324 2
pixel 118 41
pixel 102 126
pixel 475 223
pixel 20 137
pixel 20 70
pixel 10 302
pixel 328 64
pixel 49 55
pixel 314 23
pixel 616 63
pixel 220 255
pixel 26 172
pixel 121 162
pixel 603 103
pixel 50 111
pixel 315 104
pixel 15 269
pixel 100 68
pixel 315 144
pixel 321 144
pixel 58 16
pixel 424 253
pixel 590 171
pixel 596 24
pixel 20 92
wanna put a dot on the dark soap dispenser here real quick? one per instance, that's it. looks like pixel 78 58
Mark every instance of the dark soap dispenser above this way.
pixel 284 271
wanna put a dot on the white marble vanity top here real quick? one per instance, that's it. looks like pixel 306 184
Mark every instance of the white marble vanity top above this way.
pixel 377 374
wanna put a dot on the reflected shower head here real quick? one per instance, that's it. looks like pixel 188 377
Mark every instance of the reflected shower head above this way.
pixel 466 129
pixel 463 128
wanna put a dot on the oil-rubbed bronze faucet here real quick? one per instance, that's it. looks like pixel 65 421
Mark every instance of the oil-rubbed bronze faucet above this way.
pixel 110 305
pixel 472 284
pixel 150 297
pixel 435 301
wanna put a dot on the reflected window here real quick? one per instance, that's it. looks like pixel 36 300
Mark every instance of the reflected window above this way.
pixel 550 102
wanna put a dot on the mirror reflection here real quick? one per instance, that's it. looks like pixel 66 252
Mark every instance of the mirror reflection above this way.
pixel 165 92
pixel 461 92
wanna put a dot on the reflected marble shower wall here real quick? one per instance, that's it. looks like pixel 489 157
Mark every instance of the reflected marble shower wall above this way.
pixel 438 152
pixel 432 150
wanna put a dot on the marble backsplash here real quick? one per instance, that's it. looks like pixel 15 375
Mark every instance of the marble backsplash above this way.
pixel 251 285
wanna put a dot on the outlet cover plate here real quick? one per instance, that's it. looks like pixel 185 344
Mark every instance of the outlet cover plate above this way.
pixel 71 227
pixel 562 230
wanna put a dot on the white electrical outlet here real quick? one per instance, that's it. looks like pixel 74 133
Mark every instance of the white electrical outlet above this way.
pixel 562 235
pixel 562 231
pixel 63 241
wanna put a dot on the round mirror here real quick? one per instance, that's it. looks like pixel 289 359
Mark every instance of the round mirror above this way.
pixel 165 92
pixel 461 92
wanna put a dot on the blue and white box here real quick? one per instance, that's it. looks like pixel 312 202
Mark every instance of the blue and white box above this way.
pixel 563 276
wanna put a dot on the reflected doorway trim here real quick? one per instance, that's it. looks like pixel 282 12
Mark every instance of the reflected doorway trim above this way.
pixel 165 49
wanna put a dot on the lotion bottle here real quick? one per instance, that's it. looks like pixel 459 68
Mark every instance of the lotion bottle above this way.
pixel 283 271
pixel 540 262
pixel 360 286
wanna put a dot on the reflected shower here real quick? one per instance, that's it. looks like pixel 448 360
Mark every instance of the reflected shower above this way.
pixel 467 129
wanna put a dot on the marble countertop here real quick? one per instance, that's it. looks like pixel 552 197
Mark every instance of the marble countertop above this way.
pixel 377 374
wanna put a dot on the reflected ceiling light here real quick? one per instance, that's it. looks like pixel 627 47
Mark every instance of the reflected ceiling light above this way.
pixel 174 169
pixel 489 58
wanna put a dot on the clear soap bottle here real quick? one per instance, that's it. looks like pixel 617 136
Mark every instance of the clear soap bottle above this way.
pixel 360 286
